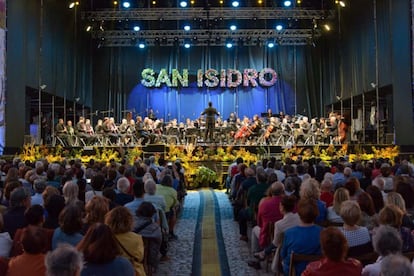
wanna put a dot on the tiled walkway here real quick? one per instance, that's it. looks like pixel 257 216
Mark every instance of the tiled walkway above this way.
pixel 208 240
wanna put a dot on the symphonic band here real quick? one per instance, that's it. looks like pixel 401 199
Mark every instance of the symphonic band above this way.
pixel 267 129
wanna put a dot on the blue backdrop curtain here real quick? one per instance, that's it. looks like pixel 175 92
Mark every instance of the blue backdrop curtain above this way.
pixel 124 67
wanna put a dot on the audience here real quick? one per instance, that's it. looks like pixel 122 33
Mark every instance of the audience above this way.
pixel 340 195
pixel 334 261
pixel 101 253
pixel 386 240
pixel 358 237
pixel 70 226
pixel 304 238
pixel 130 244
pixel 65 260
pixel 396 265
pixel 32 261
pixel 20 200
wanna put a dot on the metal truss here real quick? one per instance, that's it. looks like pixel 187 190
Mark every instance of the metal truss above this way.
pixel 207 14
pixel 205 37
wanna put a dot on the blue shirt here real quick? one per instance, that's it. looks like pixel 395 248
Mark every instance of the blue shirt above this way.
pixel 323 212
pixel 120 266
pixel 301 240
pixel 60 237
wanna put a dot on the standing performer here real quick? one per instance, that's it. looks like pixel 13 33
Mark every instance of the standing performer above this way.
pixel 210 113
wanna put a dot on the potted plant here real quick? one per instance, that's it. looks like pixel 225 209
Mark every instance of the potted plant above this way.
pixel 204 177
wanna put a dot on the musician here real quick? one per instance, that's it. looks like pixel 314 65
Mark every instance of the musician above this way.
pixel 140 130
pixel 151 114
pixel 111 129
pixel 123 129
pixel 62 133
pixel 210 113
pixel 99 129
pixel 89 130
pixel 269 115
pixel 256 127
pixel 81 131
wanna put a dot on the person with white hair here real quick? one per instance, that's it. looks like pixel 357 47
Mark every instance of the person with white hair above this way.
pixel 150 188
pixel 122 191
pixel 396 265
pixel 65 260
pixel 379 183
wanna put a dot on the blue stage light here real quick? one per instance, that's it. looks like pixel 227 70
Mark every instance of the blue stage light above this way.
pixel 233 27
pixel 183 4
pixel 279 27
pixel 141 44
pixel 235 4
pixel 137 28
pixel 126 4
pixel 187 28
pixel 187 45
pixel 287 3
pixel 270 44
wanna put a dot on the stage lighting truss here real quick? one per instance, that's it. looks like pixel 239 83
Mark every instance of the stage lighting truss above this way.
pixel 206 36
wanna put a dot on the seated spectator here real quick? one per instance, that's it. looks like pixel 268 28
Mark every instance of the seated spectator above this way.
pixel 95 209
pixel 326 192
pixel 392 215
pixel 310 190
pixel 377 197
pixel 340 196
pixel 97 184
pixel 101 253
pixel 70 225
pixel 396 199
pixel 53 206
pixel 289 220
pixel 405 187
pixel 334 248
pixel 254 196
pixel 70 192
pixel 358 237
pixel 122 196
pixel 39 186
pixel 130 244
pixel 354 187
pixel 9 187
pixel 32 261
pixel 266 215
pixel 14 216
pixel 150 230
pixel 165 189
pixel 368 216
pixel 396 265
pixel 34 217
pixel 5 241
pixel 386 240
pixel 150 195
pixel 302 239
pixel 65 260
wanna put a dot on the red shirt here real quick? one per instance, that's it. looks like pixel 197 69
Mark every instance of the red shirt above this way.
pixel 327 197
pixel 326 267
pixel 268 213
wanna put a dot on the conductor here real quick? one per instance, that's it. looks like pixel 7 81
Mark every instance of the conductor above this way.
pixel 210 113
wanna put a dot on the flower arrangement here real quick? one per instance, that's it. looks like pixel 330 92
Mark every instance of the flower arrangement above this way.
pixel 204 177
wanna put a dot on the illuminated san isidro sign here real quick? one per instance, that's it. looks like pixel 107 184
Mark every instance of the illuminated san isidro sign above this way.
pixel 212 78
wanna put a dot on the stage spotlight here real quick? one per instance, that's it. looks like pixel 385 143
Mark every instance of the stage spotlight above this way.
pixel 187 27
pixel 137 28
pixel 141 44
pixel 71 5
pixel 342 4
pixel 115 3
pixel 235 4
pixel 126 4
pixel 88 28
pixel 183 4
pixel 270 44
pixel 187 44
pixel 327 27
pixel 233 27
pixel 229 43
pixel 279 27
pixel 287 3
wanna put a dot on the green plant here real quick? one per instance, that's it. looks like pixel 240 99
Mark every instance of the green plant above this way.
pixel 204 177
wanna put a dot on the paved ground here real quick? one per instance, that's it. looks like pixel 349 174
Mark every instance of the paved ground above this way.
pixel 181 251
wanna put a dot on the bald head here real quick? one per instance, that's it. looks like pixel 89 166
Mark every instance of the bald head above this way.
pixel 277 188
